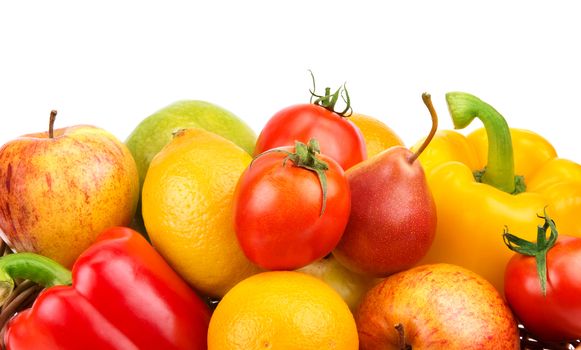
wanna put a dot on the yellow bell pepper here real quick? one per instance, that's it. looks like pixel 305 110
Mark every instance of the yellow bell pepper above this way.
pixel 477 193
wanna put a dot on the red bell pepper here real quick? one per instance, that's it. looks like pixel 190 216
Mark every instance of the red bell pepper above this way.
pixel 123 296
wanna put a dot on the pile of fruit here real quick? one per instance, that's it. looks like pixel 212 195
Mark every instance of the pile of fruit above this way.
pixel 324 232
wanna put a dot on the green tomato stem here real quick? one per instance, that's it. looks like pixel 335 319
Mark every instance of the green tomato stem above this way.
pixel 306 156
pixel 499 170
pixel 34 267
pixel 537 250
pixel 329 100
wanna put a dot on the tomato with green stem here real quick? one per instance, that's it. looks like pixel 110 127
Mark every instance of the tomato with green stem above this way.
pixel 340 139
pixel 543 284
pixel 291 206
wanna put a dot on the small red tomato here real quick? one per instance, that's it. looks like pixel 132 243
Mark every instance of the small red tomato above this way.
pixel 340 139
pixel 291 207
pixel 543 284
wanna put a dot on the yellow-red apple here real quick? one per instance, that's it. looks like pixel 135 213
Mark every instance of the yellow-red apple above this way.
pixel 59 189
pixel 439 306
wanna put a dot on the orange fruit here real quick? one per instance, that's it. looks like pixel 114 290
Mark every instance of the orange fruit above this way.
pixel 187 201
pixel 282 310
pixel 378 136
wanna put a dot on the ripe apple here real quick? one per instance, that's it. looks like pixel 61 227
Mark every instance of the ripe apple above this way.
pixel 439 306
pixel 61 188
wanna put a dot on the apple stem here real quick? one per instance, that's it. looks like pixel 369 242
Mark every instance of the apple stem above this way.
pixel 401 332
pixel 428 102
pixel 51 124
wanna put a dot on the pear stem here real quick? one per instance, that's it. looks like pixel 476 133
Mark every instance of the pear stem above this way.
pixel 428 102
pixel 51 124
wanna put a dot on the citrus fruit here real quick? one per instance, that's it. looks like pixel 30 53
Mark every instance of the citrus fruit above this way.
pixel 155 131
pixel 282 310
pixel 378 136
pixel 187 209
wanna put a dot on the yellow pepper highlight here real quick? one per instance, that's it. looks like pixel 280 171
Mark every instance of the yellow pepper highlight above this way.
pixel 472 215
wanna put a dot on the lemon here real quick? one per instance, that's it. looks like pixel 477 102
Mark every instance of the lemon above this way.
pixel 282 310
pixel 155 131
pixel 377 135
pixel 187 209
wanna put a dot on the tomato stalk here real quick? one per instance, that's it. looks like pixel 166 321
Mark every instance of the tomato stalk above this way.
pixel 499 170
pixel 329 100
pixel 538 250
pixel 306 157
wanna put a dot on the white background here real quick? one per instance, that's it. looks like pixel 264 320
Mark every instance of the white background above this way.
pixel 113 63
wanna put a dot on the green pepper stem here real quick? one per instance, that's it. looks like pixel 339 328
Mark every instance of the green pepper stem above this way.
pixel 499 170
pixel 34 267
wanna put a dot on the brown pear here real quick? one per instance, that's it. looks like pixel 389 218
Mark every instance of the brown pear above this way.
pixel 393 215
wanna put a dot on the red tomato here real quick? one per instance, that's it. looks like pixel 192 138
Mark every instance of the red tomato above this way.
pixel 555 316
pixel 340 139
pixel 281 220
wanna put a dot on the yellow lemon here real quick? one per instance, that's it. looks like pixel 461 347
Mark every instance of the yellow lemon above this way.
pixel 283 310
pixel 187 209
pixel 378 136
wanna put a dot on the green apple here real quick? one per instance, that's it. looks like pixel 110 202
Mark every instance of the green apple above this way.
pixel 155 131
pixel 61 188
pixel 350 285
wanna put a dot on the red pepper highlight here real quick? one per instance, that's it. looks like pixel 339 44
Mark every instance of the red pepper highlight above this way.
pixel 123 296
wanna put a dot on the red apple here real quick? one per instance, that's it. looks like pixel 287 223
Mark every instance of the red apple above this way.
pixel 438 306
pixel 61 188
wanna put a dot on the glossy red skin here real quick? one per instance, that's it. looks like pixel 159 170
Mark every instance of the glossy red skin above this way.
pixel 393 216
pixel 556 316
pixel 338 137
pixel 124 296
pixel 277 212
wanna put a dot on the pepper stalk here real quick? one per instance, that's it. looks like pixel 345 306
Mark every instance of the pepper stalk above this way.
pixel 34 267
pixel 499 170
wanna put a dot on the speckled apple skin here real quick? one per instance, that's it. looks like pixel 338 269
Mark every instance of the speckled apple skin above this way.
pixel 440 306
pixel 57 194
